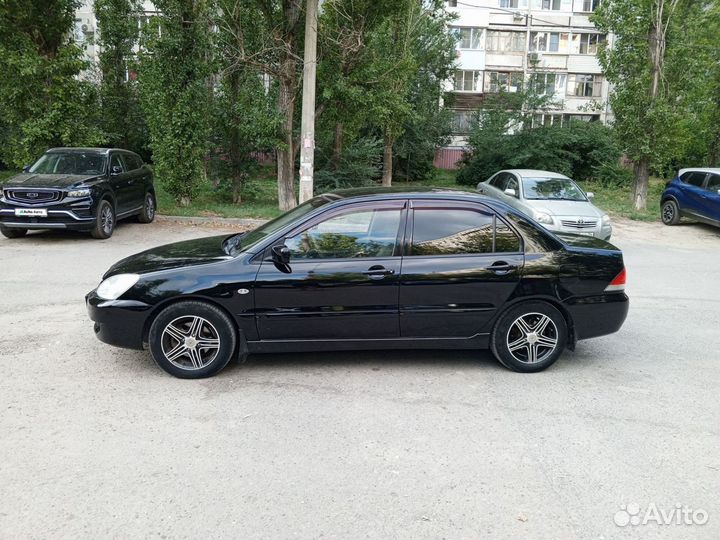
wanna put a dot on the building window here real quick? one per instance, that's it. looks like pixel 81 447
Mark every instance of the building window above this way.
pixel 590 5
pixel 550 4
pixel 549 42
pixel 468 81
pixel 586 43
pixel 499 41
pixel 548 84
pixel 452 3
pixel 509 3
pixel 547 119
pixel 503 81
pixel 581 85
pixel 568 118
pixel 470 38
pixel 463 122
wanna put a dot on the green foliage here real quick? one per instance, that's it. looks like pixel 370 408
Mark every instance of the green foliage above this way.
pixel 122 118
pixel 359 164
pixel 175 90
pixel 43 101
pixel 580 150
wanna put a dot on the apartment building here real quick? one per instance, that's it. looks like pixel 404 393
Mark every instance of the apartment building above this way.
pixel 502 43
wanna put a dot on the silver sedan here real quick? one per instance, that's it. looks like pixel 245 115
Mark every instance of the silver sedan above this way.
pixel 550 198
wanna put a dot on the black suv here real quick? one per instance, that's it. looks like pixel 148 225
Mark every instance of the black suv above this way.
pixel 85 189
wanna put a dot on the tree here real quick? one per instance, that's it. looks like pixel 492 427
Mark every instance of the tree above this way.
pixel 266 37
pixel 121 115
pixel 43 100
pixel 644 101
pixel 175 90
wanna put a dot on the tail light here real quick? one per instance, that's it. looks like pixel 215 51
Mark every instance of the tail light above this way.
pixel 618 283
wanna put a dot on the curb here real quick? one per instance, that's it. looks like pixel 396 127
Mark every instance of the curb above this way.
pixel 217 221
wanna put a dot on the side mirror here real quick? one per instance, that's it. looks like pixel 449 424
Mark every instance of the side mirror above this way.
pixel 281 254
pixel 26 168
pixel 117 169
pixel 590 195
pixel 511 192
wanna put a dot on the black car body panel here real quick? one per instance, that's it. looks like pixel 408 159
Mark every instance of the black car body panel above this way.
pixel 45 201
pixel 392 300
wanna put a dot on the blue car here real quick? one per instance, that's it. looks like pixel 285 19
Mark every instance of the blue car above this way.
pixel 693 193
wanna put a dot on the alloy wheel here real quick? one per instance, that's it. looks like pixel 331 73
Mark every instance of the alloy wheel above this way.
pixel 532 338
pixel 107 220
pixel 668 212
pixel 149 206
pixel 190 342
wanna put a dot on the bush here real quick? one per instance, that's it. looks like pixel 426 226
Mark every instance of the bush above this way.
pixel 360 164
pixel 579 150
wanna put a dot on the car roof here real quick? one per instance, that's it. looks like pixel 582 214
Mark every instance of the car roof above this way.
pixel 534 173
pixel 699 169
pixel 87 150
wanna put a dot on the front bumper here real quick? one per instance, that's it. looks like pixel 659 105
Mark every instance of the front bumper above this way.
pixel 77 215
pixel 118 322
pixel 600 315
pixel 603 232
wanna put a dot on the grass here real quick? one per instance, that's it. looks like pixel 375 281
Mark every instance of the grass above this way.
pixel 260 200
pixel 617 201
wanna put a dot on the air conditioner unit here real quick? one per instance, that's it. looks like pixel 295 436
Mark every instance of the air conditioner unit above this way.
pixel 86 29
pixel 517 16
pixel 534 58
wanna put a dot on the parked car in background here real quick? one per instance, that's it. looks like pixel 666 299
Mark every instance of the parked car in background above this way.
pixel 84 189
pixel 366 269
pixel 550 198
pixel 693 193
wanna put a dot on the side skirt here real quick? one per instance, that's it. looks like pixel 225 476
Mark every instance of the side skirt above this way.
pixel 478 341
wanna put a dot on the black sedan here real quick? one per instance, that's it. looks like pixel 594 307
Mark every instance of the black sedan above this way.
pixel 82 189
pixel 367 269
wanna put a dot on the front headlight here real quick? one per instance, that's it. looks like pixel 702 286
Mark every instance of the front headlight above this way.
pixel 113 287
pixel 606 220
pixel 542 217
pixel 77 193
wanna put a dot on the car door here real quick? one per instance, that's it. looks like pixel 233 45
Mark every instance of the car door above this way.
pixel 342 278
pixel 136 181
pixel 495 186
pixel 711 207
pixel 693 192
pixel 120 182
pixel 461 264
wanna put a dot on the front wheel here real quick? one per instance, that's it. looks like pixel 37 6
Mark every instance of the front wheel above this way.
pixel 13 233
pixel 104 221
pixel 192 340
pixel 670 213
pixel 529 337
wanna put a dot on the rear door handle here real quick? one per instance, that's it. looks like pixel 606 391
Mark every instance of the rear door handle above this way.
pixel 378 272
pixel 501 267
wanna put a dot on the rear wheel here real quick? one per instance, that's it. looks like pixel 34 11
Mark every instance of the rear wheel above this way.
pixel 670 213
pixel 147 214
pixel 104 221
pixel 192 340
pixel 529 337
pixel 13 233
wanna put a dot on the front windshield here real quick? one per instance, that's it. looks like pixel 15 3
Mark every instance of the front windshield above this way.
pixel 244 241
pixel 562 189
pixel 70 163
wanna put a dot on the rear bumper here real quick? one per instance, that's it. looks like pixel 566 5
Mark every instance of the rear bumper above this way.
pixel 120 323
pixel 598 315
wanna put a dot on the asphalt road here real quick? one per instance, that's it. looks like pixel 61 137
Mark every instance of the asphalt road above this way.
pixel 97 442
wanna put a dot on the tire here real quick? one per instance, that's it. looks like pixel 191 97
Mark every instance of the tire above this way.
pixel 13 233
pixel 670 213
pixel 147 214
pixel 524 350
pixel 178 330
pixel 104 221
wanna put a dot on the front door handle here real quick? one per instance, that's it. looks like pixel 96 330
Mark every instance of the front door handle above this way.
pixel 501 267
pixel 378 272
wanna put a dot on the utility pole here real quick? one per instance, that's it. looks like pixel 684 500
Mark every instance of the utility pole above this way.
pixel 307 125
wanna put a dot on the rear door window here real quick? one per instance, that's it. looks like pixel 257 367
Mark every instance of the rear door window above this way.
pixel 460 231
pixel 694 178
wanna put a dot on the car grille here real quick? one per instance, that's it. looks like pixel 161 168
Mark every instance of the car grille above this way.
pixel 33 196
pixel 579 224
